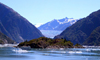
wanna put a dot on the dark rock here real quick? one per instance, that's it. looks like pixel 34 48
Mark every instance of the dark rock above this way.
pixel 25 47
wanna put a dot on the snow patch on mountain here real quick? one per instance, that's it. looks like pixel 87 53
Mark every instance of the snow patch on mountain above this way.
pixel 58 24
pixel 70 20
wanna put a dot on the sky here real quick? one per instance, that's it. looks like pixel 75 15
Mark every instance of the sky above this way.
pixel 42 11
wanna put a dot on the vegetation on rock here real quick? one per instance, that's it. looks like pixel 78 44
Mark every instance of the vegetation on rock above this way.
pixel 78 46
pixel 1 42
pixel 44 42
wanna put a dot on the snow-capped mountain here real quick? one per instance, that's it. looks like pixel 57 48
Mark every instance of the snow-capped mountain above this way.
pixel 60 24
pixel 38 24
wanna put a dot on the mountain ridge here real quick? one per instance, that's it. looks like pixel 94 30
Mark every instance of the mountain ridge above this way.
pixel 81 30
pixel 15 26
pixel 58 24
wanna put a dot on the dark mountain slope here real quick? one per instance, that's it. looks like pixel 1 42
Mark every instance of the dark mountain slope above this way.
pixel 82 29
pixel 4 39
pixel 94 38
pixel 15 26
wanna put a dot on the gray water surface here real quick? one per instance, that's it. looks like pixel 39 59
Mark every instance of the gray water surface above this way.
pixel 11 53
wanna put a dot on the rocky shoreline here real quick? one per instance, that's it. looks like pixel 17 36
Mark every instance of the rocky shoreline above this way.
pixel 50 47
pixel 58 47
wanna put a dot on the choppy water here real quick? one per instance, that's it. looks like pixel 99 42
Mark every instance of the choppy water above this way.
pixel 11 53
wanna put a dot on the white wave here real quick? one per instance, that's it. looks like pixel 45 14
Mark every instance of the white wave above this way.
pixel 75 52
pixel 61 48
pixel 8 45
pixel 47 54
pixel 91 46
pixel 63 51
pixel 20 51
pixel 78 51
pixel 71 52
pixel 88 49
pixel 92 49
pixel 95 49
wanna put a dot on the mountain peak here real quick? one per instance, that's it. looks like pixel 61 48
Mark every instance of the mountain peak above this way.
pixel 81 30
pixel 59 24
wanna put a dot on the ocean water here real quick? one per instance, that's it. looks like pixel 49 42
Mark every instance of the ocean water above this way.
pixel 50 33
pixel 12 53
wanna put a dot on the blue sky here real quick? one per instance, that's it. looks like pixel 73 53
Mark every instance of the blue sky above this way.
pixel 42 11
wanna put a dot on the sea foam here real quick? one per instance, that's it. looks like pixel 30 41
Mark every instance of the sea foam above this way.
pixel 20 51
pixel 75 52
